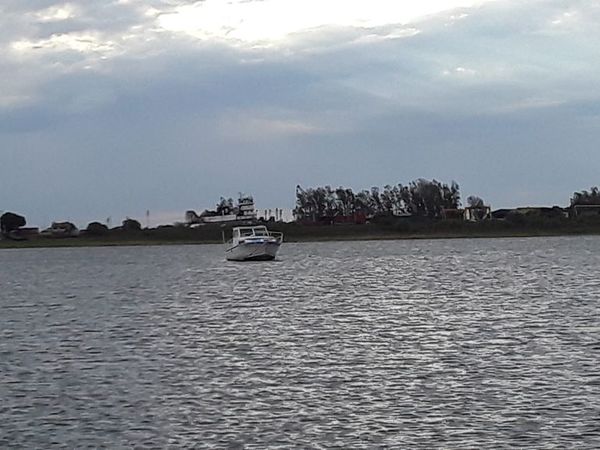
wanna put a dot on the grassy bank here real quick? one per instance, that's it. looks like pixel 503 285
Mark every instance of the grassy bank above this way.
pixel 382 229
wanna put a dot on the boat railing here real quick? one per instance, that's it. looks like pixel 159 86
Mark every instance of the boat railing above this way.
pixel 277 235
pixel 252 234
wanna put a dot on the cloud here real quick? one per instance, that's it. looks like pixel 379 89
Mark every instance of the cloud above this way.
pixel 464 48
pixel 109 109
pixel 56 13
pixel 274 20
pixel 246 126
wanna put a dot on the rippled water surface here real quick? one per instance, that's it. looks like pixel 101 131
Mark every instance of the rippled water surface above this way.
pixel 407 344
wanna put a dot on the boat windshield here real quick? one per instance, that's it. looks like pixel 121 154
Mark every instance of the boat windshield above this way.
pixel 246 232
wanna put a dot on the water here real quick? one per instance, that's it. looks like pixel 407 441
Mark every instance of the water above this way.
pixel 407 344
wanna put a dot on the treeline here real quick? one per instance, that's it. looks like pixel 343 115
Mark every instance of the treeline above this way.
pixel 10 221
pixel 419 198
pixel 591 197
pixel 12 225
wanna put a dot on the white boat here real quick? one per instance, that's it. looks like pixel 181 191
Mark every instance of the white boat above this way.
pixel 253 244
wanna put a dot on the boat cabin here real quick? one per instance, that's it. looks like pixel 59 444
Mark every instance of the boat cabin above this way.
pixel 254 235
pixel 258 231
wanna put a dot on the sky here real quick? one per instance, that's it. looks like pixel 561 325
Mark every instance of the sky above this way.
pixel 113 108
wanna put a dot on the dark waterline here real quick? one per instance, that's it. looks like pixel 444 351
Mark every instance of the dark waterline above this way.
pixel 489 343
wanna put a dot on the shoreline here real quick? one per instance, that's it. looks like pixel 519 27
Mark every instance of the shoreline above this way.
pixel 137 241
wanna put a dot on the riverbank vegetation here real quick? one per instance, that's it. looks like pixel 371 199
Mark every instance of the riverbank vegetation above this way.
pixel 380 228
pixel 422 198
pixel 420 209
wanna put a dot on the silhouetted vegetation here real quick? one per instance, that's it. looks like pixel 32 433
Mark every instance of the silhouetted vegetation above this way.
pixel 10 222
pixel 475 202
pixel 591 197
pixel 96 229
pixel 131 225
pixel 224 207
pixel 61 230
pixel 421 209
pixel 422 198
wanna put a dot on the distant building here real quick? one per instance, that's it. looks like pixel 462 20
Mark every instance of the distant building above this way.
pixel 585 210
pixel 544 211
pixel 501 214
pixel 61 230
pixel 531 211
pixel 243 212
pixel 477 213
pixel 23 233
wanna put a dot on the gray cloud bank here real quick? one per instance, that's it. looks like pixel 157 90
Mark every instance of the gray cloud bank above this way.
pixel 103 113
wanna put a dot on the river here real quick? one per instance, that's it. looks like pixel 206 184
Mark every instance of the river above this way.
pixel 463 343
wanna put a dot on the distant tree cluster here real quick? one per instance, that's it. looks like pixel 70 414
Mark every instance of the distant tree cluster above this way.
pixel 10 222
pixel 475 202
pixel 131 225
pixel 419 198
pixel 225 206
pixel 591 197
pixel 96 229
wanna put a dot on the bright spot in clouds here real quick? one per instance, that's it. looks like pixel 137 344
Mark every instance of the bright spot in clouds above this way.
pixel 79 42
pixel 275 19
pixel 56 13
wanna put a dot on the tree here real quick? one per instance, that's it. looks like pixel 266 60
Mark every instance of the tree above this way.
pixel 331 203
pixel 421 197
pixel 586 198
pixel 300 211
pixel 10 221
pixel 96 229
pixel 426 198
pixel 451 195
pixel 342 201
pixel 131 225
pixel 475 202
pixel 364 203
pixel 225 206
pixel 376 200
pixel 405 199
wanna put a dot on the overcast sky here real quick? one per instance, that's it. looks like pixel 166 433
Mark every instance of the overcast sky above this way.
pixel 112 108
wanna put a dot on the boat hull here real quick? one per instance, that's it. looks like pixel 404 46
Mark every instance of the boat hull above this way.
pixel 253 251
